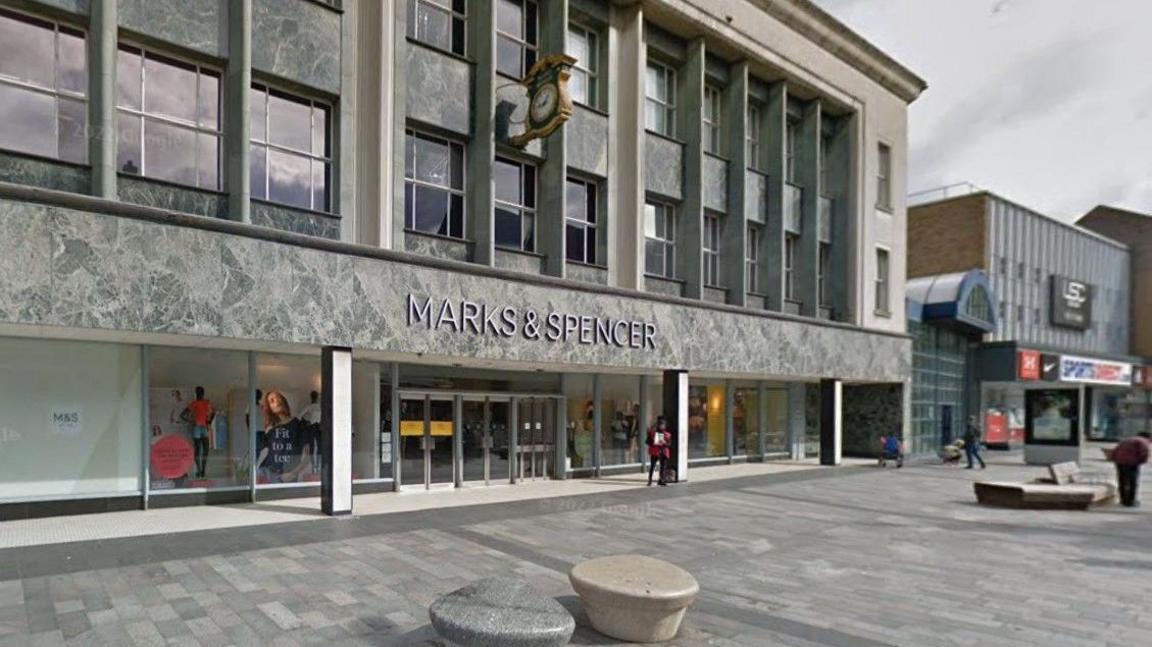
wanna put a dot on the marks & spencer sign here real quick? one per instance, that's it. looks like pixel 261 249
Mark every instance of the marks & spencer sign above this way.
pixel 1071 303
pixel 467 317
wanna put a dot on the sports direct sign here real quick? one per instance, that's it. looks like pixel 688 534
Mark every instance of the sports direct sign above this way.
pixel 1094 371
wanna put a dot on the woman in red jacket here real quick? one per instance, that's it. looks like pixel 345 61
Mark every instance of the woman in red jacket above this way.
pixel 659 448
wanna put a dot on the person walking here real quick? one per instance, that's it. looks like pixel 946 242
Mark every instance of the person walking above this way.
pixel 659 448
pixel 972 438
pixel 1129 455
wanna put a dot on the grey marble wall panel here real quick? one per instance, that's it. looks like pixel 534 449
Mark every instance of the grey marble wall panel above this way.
pixel 295 220
pixel 105 273
pixel 200 25
pixel 436 247
pixel 715 295
pixel 588 141
pixel 715 183
pixel 297 40
pixel 658 285
pixel 174 198
pixel 663 166
pixel 25 262
pixel 586 273
pixel 72 6
pixel 517 262
pixel 46 174
pixel 438 90
pixel 756 196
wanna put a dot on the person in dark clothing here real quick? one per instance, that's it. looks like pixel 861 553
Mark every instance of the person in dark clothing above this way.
pixel 659 448
pixel 972 439
pixel 1129 455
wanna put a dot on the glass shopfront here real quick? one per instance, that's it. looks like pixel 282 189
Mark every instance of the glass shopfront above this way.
pixel 1117 413
pixel 620 420
pixel 706 422
pixel 581 408
pixel 287 424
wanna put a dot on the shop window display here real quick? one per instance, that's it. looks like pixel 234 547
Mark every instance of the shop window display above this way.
pixel 581 407
pixel 287 442
pixel 706 421
pixel 746 421
pixel 776 435
pixel 620 432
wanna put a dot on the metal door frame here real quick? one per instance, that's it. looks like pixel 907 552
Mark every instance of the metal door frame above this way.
pixel 426 442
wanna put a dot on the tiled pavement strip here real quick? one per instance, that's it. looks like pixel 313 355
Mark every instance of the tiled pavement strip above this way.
pixel 844 557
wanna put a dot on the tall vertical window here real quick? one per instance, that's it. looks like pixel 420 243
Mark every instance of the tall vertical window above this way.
pixel 753 136
pixel 882 287
pixel 43 89
pixel 580 222
pixel 168 119
pixel 291 158
pixel 660 99
pixel 791 134
pixel 711 249
pixel 660 239
pixel 884 177
pixel 752 258
pixel 583 47
pixel 790 242
pixel 712 108
pixel 515 216
pixel 439 23
pixel 825 154
pixel 433 185
pixel 822 267
pixel 516 37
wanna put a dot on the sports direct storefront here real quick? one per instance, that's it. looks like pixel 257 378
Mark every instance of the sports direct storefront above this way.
pixel 1037 396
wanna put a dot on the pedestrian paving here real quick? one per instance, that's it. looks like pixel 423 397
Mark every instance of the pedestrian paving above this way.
pixel 854 556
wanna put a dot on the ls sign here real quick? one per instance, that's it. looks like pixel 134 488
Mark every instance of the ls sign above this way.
pixel 1071 303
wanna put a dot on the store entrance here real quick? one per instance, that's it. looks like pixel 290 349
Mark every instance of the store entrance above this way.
pixel 426 425
pixel 536 441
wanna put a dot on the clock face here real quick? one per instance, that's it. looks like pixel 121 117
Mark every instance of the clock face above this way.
pixel 544 103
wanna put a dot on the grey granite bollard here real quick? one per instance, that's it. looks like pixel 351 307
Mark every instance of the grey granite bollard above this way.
pixel 501 612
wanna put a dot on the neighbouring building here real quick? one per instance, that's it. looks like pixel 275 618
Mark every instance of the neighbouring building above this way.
pixel 1057 340
pixel 273 248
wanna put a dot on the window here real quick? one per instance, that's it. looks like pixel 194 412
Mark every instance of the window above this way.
pixel 660 99
pixel 43 88
pixel 712 107
pixel 1003 265
pixel 582 45
pixel 291 159
pixel 882 281
pixel 979 305
pixel 711 249
pixel 168 119
pixel 884 177
pixel 515 204
pixel 1036 274
pixel 825 155
pixel 516 40
pixel 1036 316
pixel 1003 310
pixel 791 133
pixel 1020 313
pixel 790 242
pixel 1020 270
pixel 433 185
pixel 439 23
pixel 752 258
pixel 753 135
pixel 822 267
pixel 580 222
pixel 660 239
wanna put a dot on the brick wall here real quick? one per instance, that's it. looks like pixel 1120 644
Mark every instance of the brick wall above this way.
pixel 947 236
pixel 1134 230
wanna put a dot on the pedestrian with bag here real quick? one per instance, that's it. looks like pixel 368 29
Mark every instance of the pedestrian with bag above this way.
pixel 1129 454
pixel 659 449
pixel 972 438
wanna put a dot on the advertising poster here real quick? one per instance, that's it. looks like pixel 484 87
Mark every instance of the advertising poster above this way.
pixel 1052 417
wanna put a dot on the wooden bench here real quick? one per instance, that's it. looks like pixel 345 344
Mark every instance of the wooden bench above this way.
pixel 501 612
pixel 1043 496
pixel 634 598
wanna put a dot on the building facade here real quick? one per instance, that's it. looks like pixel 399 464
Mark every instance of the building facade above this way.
pixel 265 248
pixel 1061 297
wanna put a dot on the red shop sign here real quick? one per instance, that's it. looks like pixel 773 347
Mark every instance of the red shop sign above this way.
pixel 1028 365
pixel 172 457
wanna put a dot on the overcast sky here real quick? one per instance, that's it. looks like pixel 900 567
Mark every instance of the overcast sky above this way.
pixel 1047 102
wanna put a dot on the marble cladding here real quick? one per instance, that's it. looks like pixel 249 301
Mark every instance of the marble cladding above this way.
pixel 588 141
pixel 297 40
pixel 586 273
pixel 507 259
pixel 715 295
pixel 715 183
pixel 438 89
pixel 199 25
pixel 81 7
pixel 668 287
pixel 298 221
pixel 756 301
pixel 756 196
pixel 43 173
pixel 87 270
pixel 869 411
pixel 161 195
pixel 436 246
pixel 663 166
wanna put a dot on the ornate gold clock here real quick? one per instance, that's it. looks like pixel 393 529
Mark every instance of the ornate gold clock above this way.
pixel 549 104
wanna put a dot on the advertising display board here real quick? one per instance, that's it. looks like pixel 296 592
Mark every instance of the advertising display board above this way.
pixel 1071 303
pixel 1052 417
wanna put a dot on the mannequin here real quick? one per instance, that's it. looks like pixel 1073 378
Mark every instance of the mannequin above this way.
pixel 199 414
pixel 311 418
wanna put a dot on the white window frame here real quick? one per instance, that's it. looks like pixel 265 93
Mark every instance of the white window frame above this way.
pixel 884 176
pixel 790 242
pixel 752 136
pixel 412 132
pixel 413 31
pixel 752 257
pixel 590 226
pixel 666 105
pixel 527 212
pixel 711 249
pixel 587 69
pixel 267 145
pixel 711 115
pixel 524 45
pixel 666 211
pixel 883 281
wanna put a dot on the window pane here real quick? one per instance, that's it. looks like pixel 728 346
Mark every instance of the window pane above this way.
pixel 507 228
pixel 289 123
pixel 28 122
pixel 510 17
pixel 578 46
pixel 530 25
pixel 508 57
pixel 430 211
pixel 578 86
pixel 319 131
pixel 529 232
pixel 289 177
pixel 209 161
pixel 169 89
pixel 259 171
pixel 73 116
pixel 457 217
pixel 72 72
pixel 577 194
pixel 258 114
pixel 431 163
pixel 208 108
pixel 320 175
pixel 649 220
pixel 128 79
pixel 457 166
pixel 169 152
pixel 128 153
pixel 507 180
pixel 433 26
pixel 574 243
pixel 590 245
pixel 529 186
pixel 654 257
pixel 27 52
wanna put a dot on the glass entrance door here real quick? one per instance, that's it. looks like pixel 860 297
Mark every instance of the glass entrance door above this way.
pixel 536 444
pixel 412 423
pixel 426 427
pixel 485 441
